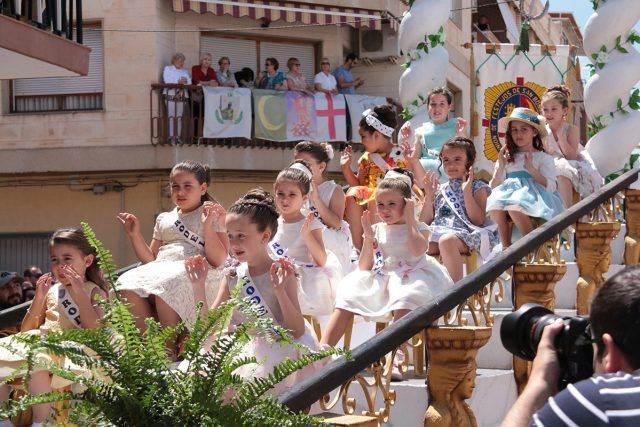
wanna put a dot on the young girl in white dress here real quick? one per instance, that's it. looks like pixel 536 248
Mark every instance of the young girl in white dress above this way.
pixel 299 239
pixel 524 178
pixel 327 200
pixel 70 303
pixel 574 166
pixel 394 275
pixel 251 223
pixel 455 210
pixel 160 287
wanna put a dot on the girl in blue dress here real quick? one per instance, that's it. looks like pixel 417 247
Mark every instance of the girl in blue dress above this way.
pixel 524 177
pixel 456 210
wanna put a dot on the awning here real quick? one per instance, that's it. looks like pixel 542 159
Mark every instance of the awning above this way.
pixel 285 11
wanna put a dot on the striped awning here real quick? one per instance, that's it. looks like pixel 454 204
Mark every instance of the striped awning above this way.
pixel 305 13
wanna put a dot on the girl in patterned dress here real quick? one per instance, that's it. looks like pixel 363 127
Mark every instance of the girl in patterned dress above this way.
pixel 574 166
pixel 381 154
pixel 160 287
pixel 327 200
pixel 456 210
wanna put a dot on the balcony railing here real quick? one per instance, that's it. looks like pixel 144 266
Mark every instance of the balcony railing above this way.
pixel 56 16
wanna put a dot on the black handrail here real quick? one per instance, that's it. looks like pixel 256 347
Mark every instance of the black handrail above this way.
pixel 311 389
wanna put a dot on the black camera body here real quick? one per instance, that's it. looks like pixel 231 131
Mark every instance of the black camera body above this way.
pixel 521 332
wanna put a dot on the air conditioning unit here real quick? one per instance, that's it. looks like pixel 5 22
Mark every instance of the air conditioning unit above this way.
pixel 378 43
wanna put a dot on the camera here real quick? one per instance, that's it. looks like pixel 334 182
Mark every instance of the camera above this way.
pixel 521 332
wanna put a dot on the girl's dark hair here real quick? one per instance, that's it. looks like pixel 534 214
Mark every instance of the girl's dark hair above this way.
pixel 317 150
pixel 296 176
pixel 440 91
pixel 201 172
pixel 462 143
pixel 75 237
pixel 560 93
pixel 274 62
pixel 397 184
pixel 385 114
pixel 261 209
pixel 512 148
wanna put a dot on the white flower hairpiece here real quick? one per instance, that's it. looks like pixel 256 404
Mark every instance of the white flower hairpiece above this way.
pixel 302 168
pixel 397 175
pixel 377 124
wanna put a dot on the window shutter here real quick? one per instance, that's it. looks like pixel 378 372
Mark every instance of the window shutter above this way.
pixel 242 53
pixel 93 82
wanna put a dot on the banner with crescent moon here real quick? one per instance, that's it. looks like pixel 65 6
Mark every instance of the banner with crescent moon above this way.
pixel 505 79
pixel 227 112
pixel 270 115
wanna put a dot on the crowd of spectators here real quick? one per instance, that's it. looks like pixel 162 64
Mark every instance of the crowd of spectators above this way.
pixel 16 289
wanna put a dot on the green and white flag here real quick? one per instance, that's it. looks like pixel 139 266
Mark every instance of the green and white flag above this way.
pixel 227 112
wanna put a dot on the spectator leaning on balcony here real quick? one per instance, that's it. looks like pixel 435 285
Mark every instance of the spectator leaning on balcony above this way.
pixel 10 289
pixel 244 77
pixel 295 79
pixel 347 84
pixel 225 76
pixel 271 78
pixel 176 98
pixel 203 74
pixel 324 81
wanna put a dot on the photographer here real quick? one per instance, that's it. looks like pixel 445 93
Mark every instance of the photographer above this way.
pixel 612 395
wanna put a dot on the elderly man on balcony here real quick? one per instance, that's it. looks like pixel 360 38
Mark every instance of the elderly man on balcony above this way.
pixel 176 98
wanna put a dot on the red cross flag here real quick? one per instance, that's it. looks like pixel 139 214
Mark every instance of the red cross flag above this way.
pixel 331 117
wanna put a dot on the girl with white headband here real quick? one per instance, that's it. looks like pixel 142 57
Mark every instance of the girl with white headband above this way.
pixel 299 239
pixel 381 155
pixel 394 275
pixel 327 200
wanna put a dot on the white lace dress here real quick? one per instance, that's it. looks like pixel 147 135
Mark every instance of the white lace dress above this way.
pixel 317 284
pixel 405 281
pixel 336 240
pixel 166 277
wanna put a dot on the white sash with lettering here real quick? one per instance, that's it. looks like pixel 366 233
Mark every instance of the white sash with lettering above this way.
pixel 250 291
pixel 455 205
pixel 280 251
pixel 68 306
pixel 194 238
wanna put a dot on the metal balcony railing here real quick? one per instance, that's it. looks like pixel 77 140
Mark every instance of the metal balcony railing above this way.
pixel 61 17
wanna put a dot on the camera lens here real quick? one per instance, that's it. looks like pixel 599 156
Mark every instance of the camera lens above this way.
pixel 521 330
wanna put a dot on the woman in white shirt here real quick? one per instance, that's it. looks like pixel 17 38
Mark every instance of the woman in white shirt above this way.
pixel 176 98
pixel 324 81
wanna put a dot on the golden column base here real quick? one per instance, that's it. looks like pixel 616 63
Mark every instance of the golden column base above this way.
pixel 593 255
pixel 534 283
pixel 632 217
pixel 451 373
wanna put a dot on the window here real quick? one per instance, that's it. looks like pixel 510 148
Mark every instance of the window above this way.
pixel 19 251
pixel 456 13
pixel 250 52
pixel 64 93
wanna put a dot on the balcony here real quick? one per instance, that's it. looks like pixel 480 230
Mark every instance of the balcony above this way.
pixel 37 40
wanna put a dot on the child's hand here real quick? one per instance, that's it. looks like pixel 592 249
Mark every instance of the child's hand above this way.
pixel 468 183
pixel 213 214
pixel 75 280
pixel 503 156
pixel 129 222
pixel 528 162
pixel 346 157
pixel 430 184
pixel 410 153
pixel 367 228
pixel 281 272
pixel 461 125
pixel 305 232
pixel 406 132
pixel 197 268
pixel 43 284
pixel 409 211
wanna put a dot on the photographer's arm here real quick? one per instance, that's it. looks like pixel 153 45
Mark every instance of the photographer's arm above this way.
pixel 543 381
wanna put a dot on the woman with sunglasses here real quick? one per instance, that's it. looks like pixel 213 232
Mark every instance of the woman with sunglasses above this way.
pixel 271 78
pixel 295 79
pixel 324 81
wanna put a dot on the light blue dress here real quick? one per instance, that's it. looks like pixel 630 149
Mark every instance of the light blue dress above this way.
pixel 520 192
pixel 432 138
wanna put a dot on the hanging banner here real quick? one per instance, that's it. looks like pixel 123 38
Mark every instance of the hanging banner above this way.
pixel 507 79
pixel 227 112
pixel 357 104
pixel 284 116
pixel 331 117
